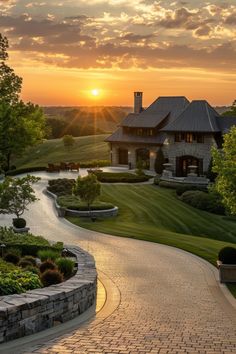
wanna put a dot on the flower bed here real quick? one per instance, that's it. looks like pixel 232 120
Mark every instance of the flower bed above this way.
pixel 74 203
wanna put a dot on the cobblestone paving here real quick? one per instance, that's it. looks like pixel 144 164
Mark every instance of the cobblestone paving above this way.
pixel 169 303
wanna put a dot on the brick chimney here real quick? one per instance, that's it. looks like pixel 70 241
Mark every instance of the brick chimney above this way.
pixel 138 102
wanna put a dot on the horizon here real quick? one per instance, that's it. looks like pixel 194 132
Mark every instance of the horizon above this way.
pixel 98 52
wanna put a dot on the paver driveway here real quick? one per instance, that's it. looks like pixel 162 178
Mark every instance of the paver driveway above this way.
pixel 170 301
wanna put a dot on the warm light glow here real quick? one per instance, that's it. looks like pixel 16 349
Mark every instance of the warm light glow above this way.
pixel 95 92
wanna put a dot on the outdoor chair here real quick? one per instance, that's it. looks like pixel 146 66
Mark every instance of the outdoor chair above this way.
pixel 74 166
pixel 53 168
pixel 64 166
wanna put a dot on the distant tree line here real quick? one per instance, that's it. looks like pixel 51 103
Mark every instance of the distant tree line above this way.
pixel 82 121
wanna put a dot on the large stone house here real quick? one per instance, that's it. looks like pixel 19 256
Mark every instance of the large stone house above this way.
pixel 184 131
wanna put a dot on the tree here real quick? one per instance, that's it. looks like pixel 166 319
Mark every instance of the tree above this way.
pixel 88 189
pixel 224 164
pixel 232 111
pixel 21 125
pixel 16 194
pixel 210 174
pixel 160 160
pixel 10 83
pixel 68 141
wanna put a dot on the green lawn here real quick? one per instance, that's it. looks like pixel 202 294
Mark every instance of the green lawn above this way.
pixel 153 214
pixel 86 148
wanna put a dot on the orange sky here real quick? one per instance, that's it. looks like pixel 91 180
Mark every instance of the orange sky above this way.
pixel 64 50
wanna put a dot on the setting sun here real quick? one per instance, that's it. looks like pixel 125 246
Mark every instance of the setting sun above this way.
pixel 95 92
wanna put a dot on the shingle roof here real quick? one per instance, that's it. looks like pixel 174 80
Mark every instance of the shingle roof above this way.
pixel 157 112
pixel 225 123
pixel 119 136
pixel 199 116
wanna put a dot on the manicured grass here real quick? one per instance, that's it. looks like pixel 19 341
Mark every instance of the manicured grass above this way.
pixel 86 148
pixel 154 214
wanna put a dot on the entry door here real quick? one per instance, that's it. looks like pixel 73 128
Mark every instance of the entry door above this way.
pixel 123 157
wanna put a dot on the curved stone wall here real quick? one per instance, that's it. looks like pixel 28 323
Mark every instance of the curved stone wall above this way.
pixel 68 212
pixel 38 309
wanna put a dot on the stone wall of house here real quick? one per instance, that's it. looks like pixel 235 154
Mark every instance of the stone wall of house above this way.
pixel 39 309
pixel 132 153
pixel 172 149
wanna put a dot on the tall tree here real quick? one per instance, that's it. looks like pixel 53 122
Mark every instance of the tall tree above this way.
pixel 87 188
pixel 232 111
pixel 21 125
pixel 224 164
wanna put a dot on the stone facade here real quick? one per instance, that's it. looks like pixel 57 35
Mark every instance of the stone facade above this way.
pixel 171 150
pixel 39 309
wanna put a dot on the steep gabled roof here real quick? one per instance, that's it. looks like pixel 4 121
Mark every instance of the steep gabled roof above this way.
pixel 121 137
pixel 199 116
pixel 160 109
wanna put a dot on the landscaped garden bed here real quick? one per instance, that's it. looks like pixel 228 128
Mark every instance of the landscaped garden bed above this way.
pixel 29 262
pixel 71 200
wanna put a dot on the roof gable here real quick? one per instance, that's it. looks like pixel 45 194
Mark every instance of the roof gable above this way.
pixel 159 110
pixel 199 116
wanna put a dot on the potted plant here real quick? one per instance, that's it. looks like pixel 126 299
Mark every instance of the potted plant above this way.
pixel 15 195
pixel 227 265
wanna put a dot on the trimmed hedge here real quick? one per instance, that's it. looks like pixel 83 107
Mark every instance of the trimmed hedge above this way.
pixel 184 188
pixel 74 203
pixel 204 201
pixel 61 186
pixel 124 177
pixel 181 186
pixel 20 171
pixel 28 244
pixel 227 255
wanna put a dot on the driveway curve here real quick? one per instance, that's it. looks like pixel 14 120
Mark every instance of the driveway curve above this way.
pixel 170 300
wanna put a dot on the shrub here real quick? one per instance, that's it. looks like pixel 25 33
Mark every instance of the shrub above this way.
pixel 19 223
pixel 204 201
pixel 30 259
pixel 32 269
pixel 123 177
pixel 159 161
pixel 12 258
pixel 74 203
pixel 65 266
pixel 157 179
pixel 61 186
pixel 47 265
pixel 6 267
pixel 48 254
pixel 18 281
pixel 227 255
pixel 185 187
pixel 14 250
pixel 51 277
pixel 26 243
pixel 25 170
pixel 23 263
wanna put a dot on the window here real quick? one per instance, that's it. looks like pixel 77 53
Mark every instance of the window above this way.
pixel 189 138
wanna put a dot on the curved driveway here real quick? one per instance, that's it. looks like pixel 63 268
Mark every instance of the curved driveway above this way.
pixel 170 300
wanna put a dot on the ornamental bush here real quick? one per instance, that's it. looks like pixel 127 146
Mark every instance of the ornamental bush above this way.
pixel 61 186
pixel 65 266
pixel 19 223
pixel 227 255
pixel 30 259
pixel 48 254
pixel 23 263
pixel 204 201
pixel 18 281
pixel 51 277
pixel 12 258
pixel 47 265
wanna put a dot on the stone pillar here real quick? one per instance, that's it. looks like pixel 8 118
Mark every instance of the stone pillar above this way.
pixel 132 157
pixel 153 155
pixel 114 155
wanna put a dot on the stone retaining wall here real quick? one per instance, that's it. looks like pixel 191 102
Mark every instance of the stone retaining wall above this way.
pixel 94 213
pixel 38 309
